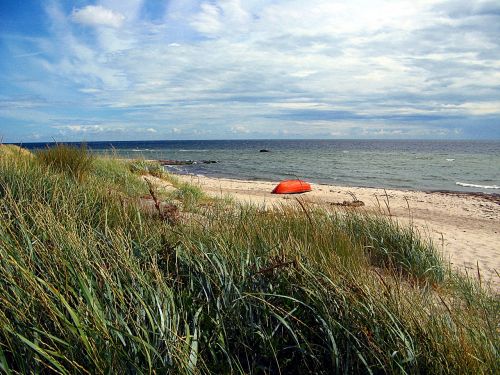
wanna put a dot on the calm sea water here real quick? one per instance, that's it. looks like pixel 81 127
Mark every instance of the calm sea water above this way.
pixel 414 165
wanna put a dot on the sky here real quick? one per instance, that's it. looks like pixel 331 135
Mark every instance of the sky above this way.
pixel 244 69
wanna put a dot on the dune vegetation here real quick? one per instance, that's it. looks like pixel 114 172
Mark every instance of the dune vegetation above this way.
pixel 102 271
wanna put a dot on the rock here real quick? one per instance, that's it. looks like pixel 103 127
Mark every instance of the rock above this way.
pixel 175 162
pixel 264 150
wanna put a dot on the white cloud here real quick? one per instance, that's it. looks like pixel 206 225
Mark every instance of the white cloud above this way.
pixel 90 90
pixel 227 16
pixel 240 129
pixel 97 15
pixel 270 66
pixel 76 128
pixel 322 51
pixel 481 108
pixel 208 20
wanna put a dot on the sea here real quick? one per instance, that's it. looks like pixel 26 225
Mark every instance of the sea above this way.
pixel 462 166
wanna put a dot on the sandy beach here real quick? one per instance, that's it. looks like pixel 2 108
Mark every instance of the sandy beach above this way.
pixel 465 227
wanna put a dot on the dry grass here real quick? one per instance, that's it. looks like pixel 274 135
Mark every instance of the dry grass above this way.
pixel 13 151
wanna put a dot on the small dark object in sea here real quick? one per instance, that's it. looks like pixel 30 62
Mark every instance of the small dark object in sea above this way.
pixel 264 150
pixel 175 162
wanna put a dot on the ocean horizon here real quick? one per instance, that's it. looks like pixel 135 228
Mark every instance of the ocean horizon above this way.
pixel 428 165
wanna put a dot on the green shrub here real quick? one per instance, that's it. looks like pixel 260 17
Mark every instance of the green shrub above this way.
pixel 76 161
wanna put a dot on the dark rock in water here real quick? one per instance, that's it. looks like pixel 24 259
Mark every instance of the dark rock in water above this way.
pixel 264 150
pixel 176 162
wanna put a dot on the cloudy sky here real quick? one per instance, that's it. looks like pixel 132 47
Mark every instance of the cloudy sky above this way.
pixel 229 69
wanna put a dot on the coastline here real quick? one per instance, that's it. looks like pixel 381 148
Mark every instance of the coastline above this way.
pixel 491 195
pixel 465 227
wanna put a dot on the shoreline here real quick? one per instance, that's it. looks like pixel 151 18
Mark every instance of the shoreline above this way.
pixel 464 226
pixel 493 195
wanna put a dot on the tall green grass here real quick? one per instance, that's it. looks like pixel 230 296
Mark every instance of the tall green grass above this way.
pixel 190 195
pixel 146 167
pixel 77 161
pixel 91 284
pixel 117 176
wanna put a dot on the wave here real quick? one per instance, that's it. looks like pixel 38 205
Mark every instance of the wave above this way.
pixel 192 150
pixel 450 159
pixel 478 186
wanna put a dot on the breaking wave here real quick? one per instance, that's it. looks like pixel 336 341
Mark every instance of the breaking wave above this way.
pixel 478 186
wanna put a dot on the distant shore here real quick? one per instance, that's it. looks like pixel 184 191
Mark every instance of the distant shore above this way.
pixel 465 226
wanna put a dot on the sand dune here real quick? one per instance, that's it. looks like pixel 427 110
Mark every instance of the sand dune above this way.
pixel 466 228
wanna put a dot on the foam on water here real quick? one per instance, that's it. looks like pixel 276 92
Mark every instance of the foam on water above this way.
pixel 478 186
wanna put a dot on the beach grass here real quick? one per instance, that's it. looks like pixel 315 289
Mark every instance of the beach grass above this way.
pixel 92 283
pixel 65 158
pixel 146 167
